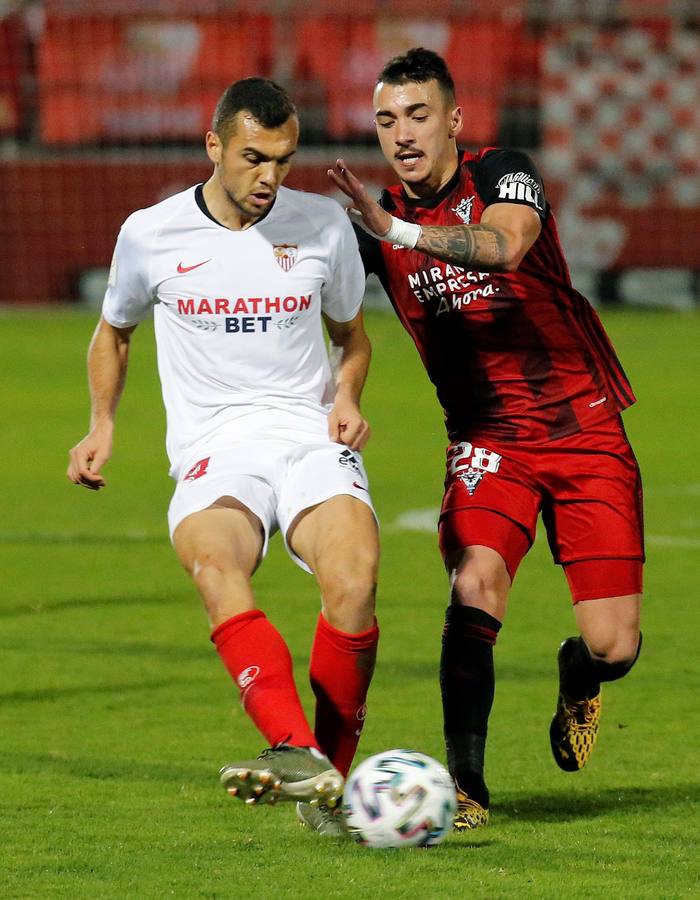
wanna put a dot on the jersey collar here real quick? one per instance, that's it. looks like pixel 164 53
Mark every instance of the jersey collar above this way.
pixel 202 204
pixel 436 199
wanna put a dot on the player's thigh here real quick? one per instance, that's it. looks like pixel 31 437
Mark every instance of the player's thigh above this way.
pixel 337 537
pixel 220 547
pixel 338 541
pixel 325 509
pixel 226 534
pixel 237 477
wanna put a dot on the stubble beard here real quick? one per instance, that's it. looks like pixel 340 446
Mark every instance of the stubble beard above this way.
pixel 249 212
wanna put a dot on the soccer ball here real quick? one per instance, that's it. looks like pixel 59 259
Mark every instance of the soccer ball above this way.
pixel 399 798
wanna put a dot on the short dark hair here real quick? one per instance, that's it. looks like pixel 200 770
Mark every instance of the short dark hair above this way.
pixel 419 65
pixel 264 99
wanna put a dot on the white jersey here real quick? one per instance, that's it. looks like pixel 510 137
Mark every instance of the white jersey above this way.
pixel 239 334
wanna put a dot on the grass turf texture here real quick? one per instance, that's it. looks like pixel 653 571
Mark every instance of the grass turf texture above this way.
pixel 116 713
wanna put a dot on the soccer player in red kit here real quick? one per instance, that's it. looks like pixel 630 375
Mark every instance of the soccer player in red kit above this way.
pixel 466 247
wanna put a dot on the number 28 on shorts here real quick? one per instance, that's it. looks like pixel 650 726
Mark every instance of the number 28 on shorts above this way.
pixel 463 456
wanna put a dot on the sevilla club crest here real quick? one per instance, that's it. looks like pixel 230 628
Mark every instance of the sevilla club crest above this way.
pixel 286 255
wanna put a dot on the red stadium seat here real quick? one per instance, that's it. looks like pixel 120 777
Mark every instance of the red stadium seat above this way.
pixel 142 78
pixel 14 70
pixel 344 56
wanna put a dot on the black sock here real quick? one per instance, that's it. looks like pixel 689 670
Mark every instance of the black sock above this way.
pixel 582 675
pixel 467 685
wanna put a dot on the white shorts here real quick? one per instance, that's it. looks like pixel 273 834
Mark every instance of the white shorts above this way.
pixel 276 480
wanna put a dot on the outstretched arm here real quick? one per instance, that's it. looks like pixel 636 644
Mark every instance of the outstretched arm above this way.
pixel 350 355
pixel 498 243
pixel 107 364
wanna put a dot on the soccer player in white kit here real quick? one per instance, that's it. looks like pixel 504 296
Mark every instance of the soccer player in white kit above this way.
pixel 262 434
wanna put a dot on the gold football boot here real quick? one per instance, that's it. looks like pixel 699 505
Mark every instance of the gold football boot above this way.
pixel 470 814
pixel 574 728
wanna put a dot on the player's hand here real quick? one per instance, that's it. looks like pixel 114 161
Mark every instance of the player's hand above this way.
pixel 365 211
pixel 347 425
pixel 88 456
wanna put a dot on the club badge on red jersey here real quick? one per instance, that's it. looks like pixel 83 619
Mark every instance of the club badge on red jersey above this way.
pixel 464 209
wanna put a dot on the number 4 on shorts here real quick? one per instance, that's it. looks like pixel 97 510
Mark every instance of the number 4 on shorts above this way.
pixel 197 470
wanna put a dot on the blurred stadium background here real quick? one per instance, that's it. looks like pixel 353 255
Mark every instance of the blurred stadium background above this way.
pixel 103 107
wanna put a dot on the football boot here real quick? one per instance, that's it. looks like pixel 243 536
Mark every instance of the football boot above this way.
pixel 470 814
pixel 321 818
pixel 574 728
pixel 284 772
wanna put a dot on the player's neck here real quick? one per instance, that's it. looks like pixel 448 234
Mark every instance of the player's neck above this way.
pixel 436 181
pixel 223 210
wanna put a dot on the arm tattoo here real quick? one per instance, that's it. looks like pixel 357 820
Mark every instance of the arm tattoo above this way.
pixel 464 244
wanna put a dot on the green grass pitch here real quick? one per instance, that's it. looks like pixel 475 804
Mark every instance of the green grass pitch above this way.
pixel 115 713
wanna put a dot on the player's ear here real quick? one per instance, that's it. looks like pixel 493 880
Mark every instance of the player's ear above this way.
pixel 214 147
pixel 455 121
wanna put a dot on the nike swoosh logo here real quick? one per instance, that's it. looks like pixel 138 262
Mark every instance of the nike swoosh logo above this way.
pixel 359 486
pixel 182 269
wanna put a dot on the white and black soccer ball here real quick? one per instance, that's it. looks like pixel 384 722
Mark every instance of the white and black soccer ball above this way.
pixel 399 798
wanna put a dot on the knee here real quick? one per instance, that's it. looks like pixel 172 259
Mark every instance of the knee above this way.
pixel 475 586
pixel 208 572
pixel 351 591
pixel 223 587
pixel 618 648
pixel 349 598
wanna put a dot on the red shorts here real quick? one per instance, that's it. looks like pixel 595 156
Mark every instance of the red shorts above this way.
pixel 587 487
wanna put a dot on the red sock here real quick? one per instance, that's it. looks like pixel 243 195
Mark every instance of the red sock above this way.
pixel 258 660
pixel 341 670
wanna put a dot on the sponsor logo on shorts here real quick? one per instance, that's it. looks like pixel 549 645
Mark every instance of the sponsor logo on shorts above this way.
pixel 197 470
pixel 360 487
pixel 247 677
pixel 349 461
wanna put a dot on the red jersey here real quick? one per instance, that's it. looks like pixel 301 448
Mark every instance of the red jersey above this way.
pixel 516 356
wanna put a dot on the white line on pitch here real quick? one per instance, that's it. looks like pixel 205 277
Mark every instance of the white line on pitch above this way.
pixel 417 520
pixel 673 490
pixel 76 537
pixel 670 540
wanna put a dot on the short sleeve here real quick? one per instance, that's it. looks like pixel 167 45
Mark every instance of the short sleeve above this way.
pixel 342 294
pixel 510 176
pixel 370 251
pixel 128 299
